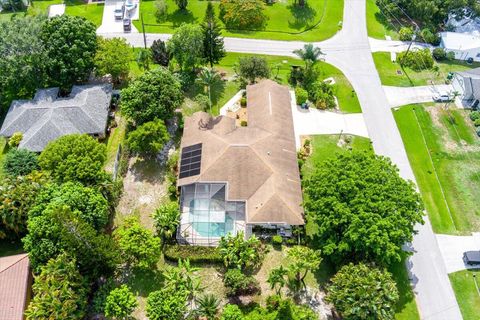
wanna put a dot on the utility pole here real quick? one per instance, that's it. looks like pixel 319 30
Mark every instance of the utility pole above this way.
pixel 143 31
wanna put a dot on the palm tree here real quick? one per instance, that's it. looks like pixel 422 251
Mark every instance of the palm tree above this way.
pixel 207 306
pixel 276 279
pixel 208 78
pixel 309 53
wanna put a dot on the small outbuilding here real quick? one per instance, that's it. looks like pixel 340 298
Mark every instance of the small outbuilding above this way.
pixel 48 117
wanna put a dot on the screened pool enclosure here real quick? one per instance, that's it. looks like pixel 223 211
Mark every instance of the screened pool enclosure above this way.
pixel 206 215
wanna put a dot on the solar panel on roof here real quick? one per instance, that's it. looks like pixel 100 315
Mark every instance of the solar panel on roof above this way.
pixel 191 159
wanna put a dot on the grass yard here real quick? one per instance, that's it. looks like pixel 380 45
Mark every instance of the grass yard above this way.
pixel 325 147
pixel 116 137
pixel 92 12
pixel 377 25
pixel 468 296
pixel 444 153
pixel 285 21
pixel 389 75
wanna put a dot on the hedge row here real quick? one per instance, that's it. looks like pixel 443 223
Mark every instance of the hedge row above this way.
pixel 193 253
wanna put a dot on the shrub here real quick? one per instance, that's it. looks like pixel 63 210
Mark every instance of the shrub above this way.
pixel 161 10
pixel 120 303
pixel 477 123
pixel 406 33
pixel 243 102
pixel 243 14
pixel 450 55
pixel 301 95
pixel 322 94
pixel 15 139
pixel 416 60
pixel 439 54
pixel 20 162
pixel 474 115
pixel 429 37
pixel 193 253
pixel 277 240
pixel 243 123
pixel 231 312
pixel 239 284
pixel 273 301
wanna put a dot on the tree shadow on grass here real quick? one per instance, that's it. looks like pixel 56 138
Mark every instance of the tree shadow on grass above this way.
pixel 180 17
pixel 302 16
pixel 143 282
pixel 387 24
pixel 400 276
pixel 148 169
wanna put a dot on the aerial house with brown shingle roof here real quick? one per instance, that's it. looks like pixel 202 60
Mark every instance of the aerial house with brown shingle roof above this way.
pixel 232 178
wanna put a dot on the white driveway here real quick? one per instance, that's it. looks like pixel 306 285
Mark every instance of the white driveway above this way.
pixel 314 121
pixel 453 247
pixel 394 46
pixel 109 23
pixel 400 96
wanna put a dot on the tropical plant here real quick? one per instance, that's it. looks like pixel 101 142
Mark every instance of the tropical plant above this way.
pixel 154 95
pixel 276 279
pixel 252 68
pixel 416 60
pixel 120 303
pixel 301 95
pixel 138 246
pixel 209 78
pixel 238 283
pixel 213 47
pixel 351 198
pixel 231 312
pixel 309 54
pixel 363 292
pixel 20 162
pixel 59 291
pixel 159 52
pixel 113 57
pixel 301 261
pixel 186 46
pixel 149 138
pixel 143 58
pixel 406 33
pixel 240 253
pixel 75 157
pixel 207 306
pixel 166 220
pixel 15 139
pixel 183 278
pixel 166 303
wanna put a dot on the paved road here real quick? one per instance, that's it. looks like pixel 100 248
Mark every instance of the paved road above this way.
pixel 350 51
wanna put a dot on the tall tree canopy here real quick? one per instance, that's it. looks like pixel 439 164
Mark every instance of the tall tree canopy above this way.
pixel 149 138
pixel 88 202
pixel 186 46
pixel 252 68
pixel 213 48
pixel 361 207
pixel 75 157
pixel 155 94
pixel 59 291
pixel 22 59
pixel 113 57
pixel 70 43
pixel 363 292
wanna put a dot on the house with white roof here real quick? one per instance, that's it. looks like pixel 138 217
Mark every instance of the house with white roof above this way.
pixel 465 46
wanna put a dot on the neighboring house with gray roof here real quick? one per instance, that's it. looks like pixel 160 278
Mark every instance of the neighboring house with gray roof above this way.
pixel 467 84
pixel 48 117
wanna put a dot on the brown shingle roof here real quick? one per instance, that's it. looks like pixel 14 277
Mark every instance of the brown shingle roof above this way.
pixel 259 161
pixel 14 286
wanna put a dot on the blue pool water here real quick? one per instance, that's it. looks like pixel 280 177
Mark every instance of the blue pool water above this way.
pixel 214 229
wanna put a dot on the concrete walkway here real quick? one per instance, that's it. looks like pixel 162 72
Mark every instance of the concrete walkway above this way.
pixel 377 45
pixel 400 96
pixel 453 247
pixel 350 51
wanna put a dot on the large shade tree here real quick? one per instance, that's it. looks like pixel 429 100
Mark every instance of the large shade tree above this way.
pixel 186 46
pixel 23 59
pixel 71 44
pixel 113 57
pixel 149 138
pixel 363 292
pixel 361 208
pixel 75 157
pixel 155 94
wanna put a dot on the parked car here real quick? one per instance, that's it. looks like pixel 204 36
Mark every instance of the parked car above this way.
pixel 127 25
pixel 472 257
pixel 119 7
pixel 442 98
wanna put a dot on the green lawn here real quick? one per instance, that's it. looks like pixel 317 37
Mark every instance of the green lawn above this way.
pixel 116 137
pixel 285 21
pixel 389 75
pixel 467 293
pixel 450 199
pixel 325 147
pixel 378 27
pixel 92 12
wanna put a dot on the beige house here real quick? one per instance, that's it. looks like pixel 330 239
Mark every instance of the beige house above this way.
pixel 232 178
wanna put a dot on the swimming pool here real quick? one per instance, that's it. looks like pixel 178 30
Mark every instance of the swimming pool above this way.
pixel 214 229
